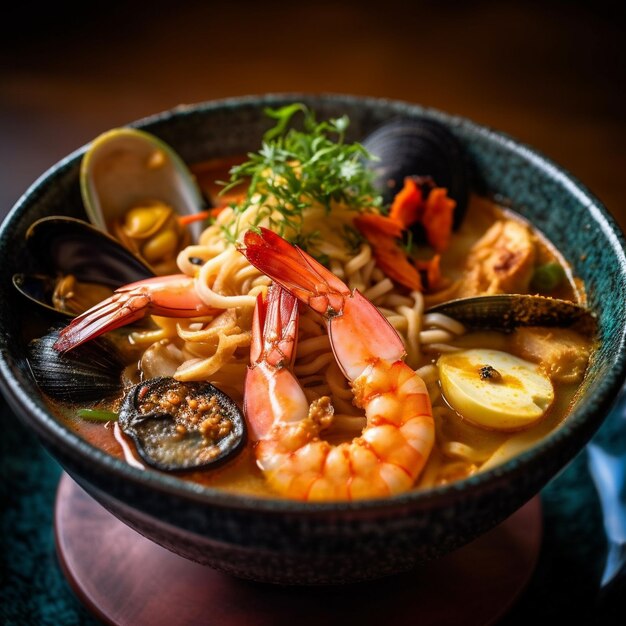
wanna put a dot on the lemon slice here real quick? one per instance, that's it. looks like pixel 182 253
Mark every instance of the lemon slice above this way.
pixel 495 389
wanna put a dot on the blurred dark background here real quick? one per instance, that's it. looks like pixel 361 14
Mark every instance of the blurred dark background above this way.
pixel 550 73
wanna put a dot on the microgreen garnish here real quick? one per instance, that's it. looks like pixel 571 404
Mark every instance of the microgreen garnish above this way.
pixel 296 169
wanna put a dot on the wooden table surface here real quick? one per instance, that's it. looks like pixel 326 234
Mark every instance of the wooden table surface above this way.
pixel 551 74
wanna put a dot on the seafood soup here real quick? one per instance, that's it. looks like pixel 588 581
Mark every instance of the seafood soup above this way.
pixel 337 321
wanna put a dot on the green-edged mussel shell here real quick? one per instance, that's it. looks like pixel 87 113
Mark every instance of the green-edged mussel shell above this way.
pixel 116 174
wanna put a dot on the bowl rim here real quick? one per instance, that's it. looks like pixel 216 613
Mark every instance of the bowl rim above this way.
pixel 583 418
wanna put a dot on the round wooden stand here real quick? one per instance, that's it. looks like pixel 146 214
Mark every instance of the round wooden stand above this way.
pixel 474 585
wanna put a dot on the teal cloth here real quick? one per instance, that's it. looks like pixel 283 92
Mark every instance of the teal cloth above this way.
pixel 564 588
pixel 32 587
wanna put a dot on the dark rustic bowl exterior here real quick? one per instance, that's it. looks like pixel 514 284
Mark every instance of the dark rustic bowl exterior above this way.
pixel 291 542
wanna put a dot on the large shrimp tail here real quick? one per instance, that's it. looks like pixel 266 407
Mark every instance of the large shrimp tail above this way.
pixel 107 315
pixel 358 332
pixel 272 393
pixel 170 296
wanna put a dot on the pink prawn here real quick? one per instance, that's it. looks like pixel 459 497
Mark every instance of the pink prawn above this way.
pixel 170 296
pixel 397 440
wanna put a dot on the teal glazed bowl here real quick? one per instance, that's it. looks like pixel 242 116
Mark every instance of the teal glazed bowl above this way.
pixel 290 542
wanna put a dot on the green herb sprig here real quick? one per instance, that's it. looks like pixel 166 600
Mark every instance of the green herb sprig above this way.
pixel 299 168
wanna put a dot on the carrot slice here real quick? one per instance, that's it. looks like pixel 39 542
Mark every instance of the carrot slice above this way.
pixel 395 264
pixel 382 234
pixel 374 224
pixel 437 218
pixel 433 272
pixel 184 220
pixel 408 206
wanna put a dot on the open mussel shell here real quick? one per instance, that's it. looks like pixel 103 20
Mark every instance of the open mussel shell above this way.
pixel 422 148
pixel 181 426
pixel 126 167
pixel 90 372
pixel 66 246
pixel 38 288
pixel 509 311
pixel 71 246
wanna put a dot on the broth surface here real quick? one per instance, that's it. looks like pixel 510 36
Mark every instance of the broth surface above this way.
pixel 242 475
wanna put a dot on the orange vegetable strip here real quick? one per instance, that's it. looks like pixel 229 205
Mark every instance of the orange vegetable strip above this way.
pixel 389 256
pixel 433 271
pixel 437 218
pixel 395 264
pixel 407 206
pixel 183 220
pixel 376 224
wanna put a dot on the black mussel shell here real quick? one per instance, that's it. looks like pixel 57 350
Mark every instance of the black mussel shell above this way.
pixel 166 435
pixel 509 311
pixel 64 245
pixel 92 371
pixel 421 148
pixel 39 288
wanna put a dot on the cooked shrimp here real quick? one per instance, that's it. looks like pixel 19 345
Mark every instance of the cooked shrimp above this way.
pixel 170 296
pixel 395 444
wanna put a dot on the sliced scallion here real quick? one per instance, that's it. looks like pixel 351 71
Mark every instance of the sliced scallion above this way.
pixel 547 277
pixel 97 415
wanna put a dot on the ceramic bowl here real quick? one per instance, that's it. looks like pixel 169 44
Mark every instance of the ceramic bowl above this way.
pixel 292 542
